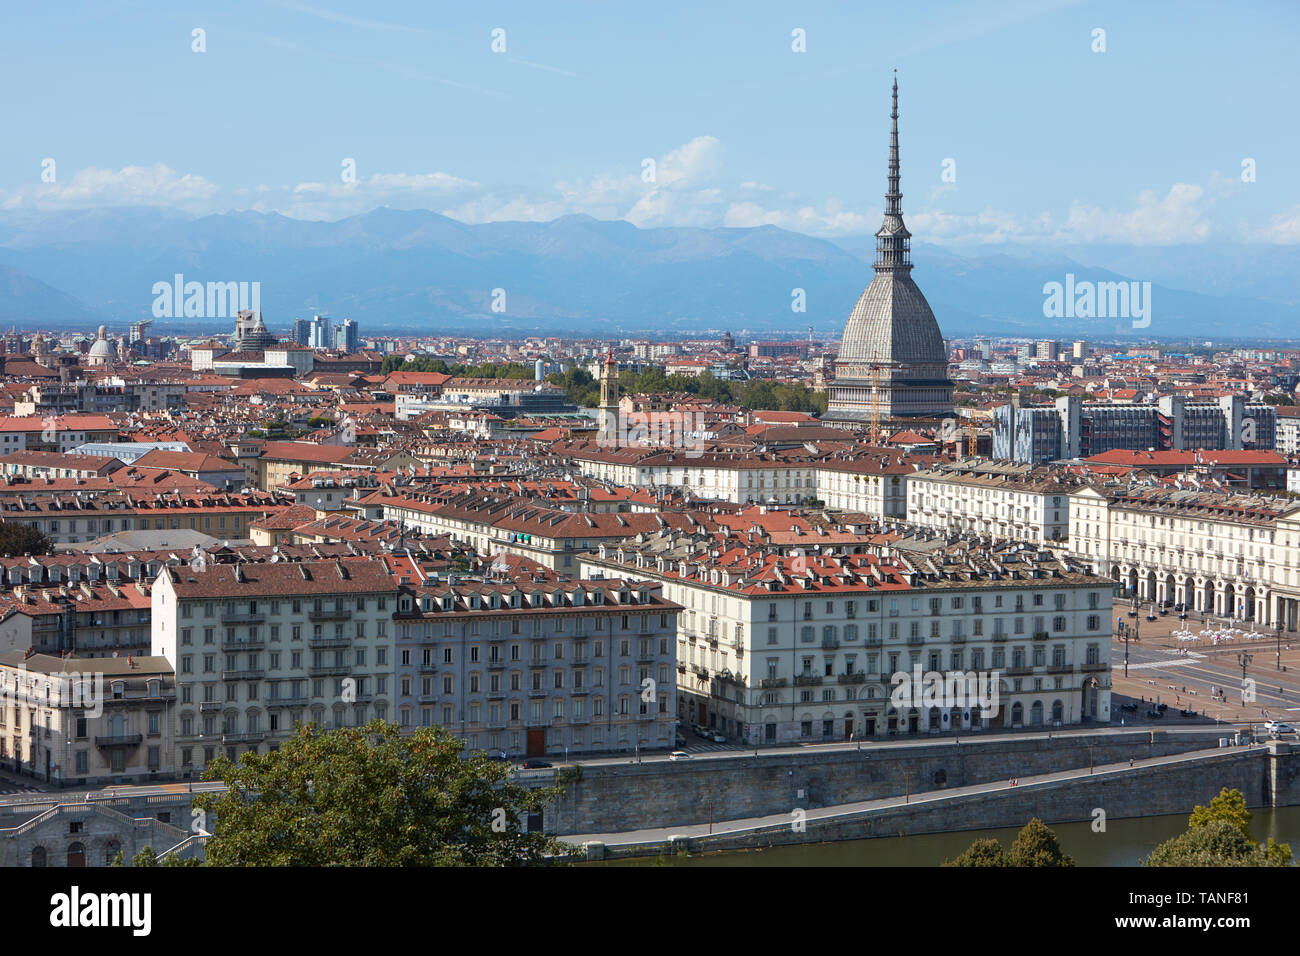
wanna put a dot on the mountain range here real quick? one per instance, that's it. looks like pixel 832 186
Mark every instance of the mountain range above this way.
pixel 418 271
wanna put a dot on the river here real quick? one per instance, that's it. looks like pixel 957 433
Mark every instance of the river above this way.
pixel 1124 843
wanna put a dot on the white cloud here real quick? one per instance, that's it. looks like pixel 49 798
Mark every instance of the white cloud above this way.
pixel 1180 216
pixel 156 185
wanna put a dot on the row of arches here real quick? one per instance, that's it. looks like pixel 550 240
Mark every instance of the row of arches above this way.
pixel 75 855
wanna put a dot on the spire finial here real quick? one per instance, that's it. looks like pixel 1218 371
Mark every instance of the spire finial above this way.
pixel 892 250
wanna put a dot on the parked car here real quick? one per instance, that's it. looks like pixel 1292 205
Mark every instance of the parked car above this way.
pixel 679 755
pixel 1133 613
pixel 679 742
pixel 1276 728
pixel 701 733
pixel 719 739
pixel 535 764
pixel 1155 712
pixel 1151 617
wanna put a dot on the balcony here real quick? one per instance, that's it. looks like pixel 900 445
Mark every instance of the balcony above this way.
pixel 537 692
pixel 325 643
pixel 251 737
pixel 1000 637
pixel 496 665
pixel 288 701
pixel 119 740
pixel 339 614
pixel 1060 668
pixel 807 680
pixel 1040 635
pixel 210 707
pixel 329 670
pixel 254 618
pixel 234 647
pixel 916 640
pixel 1020 671
pixel 830 644
pixel 428 668
pixel 856 678
pixel 1094 666
pixel 250 673
pixel 428 698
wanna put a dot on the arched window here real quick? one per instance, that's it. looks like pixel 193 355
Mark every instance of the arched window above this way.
pixel 111 849
pixel 39 856
pixel 76 854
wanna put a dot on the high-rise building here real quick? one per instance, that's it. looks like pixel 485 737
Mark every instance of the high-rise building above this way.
pixel 892 361
pixel 346 336
pixel 302 332
pixel 320 332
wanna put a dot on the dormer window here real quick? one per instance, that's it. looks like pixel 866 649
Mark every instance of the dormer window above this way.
pixel 119 689
pixel 155 688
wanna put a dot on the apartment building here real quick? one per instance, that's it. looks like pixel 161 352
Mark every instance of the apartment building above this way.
pixel 780 649
pixel 258 648
pixel 872 481
pixel 1226 554
pixel 494 524
pixel 89 620
pixel 70 517
pixel 1001 499
pixel 67 721
pixel 540 666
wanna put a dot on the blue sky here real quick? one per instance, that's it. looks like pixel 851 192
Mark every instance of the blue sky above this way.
pixel 1050 141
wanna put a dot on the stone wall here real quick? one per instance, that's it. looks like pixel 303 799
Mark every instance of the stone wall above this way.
pixel 615 797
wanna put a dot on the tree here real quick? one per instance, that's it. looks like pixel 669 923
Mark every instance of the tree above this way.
pixel 21 539
pixel 1037 845
pixel 1219 835
pixel 371 796
pixel 145 857
pixel 980 853
pixel 1217 843
pixel 1229 806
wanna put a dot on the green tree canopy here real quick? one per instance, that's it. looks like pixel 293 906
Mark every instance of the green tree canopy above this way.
pixel 980 853
pixel 20 539
pixel 1217 843
pixel 1229 805
pixel 1036 845
pixel 371 796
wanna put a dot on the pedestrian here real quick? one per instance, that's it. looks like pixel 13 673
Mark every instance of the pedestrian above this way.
pixel 1130 761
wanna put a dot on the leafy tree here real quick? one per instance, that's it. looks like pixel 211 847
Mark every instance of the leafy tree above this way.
pixel 1037 845
pixel 21 539
pixel 1219 835
pixel 119 860
pixel 145 857
pixel 1217 843
pixel 1229 805
pixel 371 796
pixel 980 853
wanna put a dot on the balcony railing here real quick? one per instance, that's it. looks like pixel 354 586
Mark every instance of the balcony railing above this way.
pixel 807 680
pixel 830 644
pixel 288 701
pixel 768 682
pixel 249 737
pixel 329 670
pixel 856 678
pixel 341 614
pixel 254 618
pixel 248 673
pixel 236 646
pixel 325 643
pixel 119 740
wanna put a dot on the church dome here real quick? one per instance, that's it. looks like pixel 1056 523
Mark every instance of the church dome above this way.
pixel 101 351
pixel 892 323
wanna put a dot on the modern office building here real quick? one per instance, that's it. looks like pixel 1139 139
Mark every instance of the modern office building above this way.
pixel 1072 428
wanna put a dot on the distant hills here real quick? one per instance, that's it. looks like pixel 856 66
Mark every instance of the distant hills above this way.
pixel 417 271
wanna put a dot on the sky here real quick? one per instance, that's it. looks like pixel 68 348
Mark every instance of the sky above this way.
pixel 1051 122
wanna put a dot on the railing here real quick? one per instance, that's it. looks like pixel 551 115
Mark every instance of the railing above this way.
pixel 288 701
pixel 807 680
pixel 250 737
pixel 830 644
pixel 236 646
pixel 329 670
pixel 249 673
pixel 856 678
pixel 1040 635
pixel 119 740
pixel 337 615
pixel 254 618
pixel 768 682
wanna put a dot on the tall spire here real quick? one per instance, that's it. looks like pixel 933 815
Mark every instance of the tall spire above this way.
pixel 893 252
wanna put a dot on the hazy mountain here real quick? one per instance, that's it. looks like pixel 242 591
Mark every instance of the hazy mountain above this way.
pixel 416 270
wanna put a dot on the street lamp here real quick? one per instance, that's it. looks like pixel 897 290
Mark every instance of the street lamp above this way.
pixel 1243 659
